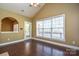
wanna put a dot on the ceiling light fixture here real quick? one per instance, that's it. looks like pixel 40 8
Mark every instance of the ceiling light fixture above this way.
pixel 34 4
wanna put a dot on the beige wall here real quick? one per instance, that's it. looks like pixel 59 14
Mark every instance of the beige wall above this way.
pixel 12 36
pixel 71 12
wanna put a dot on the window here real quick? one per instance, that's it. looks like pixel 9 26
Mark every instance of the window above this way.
pixel 47 28
pixel 58 27
pixel 52 27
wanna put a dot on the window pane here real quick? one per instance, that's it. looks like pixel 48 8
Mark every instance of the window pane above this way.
pixel 58 36
pixel 47 32
pixel 47 35
pixel 39 24
pixel 58 27
pixel 57 30
pixel 47 23
pixel 55 36
pixel 62 36
pixel 57 22
pixel 40 32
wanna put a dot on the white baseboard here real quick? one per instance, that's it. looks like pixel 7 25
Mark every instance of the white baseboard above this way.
pixel 2 44
pixel 55 43
pixel 59 44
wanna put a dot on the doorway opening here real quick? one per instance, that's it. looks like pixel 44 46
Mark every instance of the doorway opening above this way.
pixel 27 29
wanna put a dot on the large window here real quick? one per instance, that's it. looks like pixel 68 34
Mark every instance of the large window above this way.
pixel 51 27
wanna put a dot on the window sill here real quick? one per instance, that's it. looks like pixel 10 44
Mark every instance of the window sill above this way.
pixel 59 40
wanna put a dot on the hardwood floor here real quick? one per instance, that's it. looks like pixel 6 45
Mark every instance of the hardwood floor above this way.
pixel 37 48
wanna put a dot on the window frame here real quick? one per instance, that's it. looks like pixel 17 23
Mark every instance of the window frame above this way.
pixel 57 39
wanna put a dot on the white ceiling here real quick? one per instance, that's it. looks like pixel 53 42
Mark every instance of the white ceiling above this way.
pixel 19 7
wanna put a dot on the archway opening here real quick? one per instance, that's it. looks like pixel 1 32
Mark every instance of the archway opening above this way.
pixel 9 24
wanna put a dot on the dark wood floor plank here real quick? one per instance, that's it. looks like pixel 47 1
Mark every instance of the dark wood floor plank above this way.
pixel 37 48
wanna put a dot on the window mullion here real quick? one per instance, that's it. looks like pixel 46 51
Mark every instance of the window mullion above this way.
pixel 51 28
pixel 43 29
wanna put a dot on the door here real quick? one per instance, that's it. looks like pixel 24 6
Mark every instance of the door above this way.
pixel 27 29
